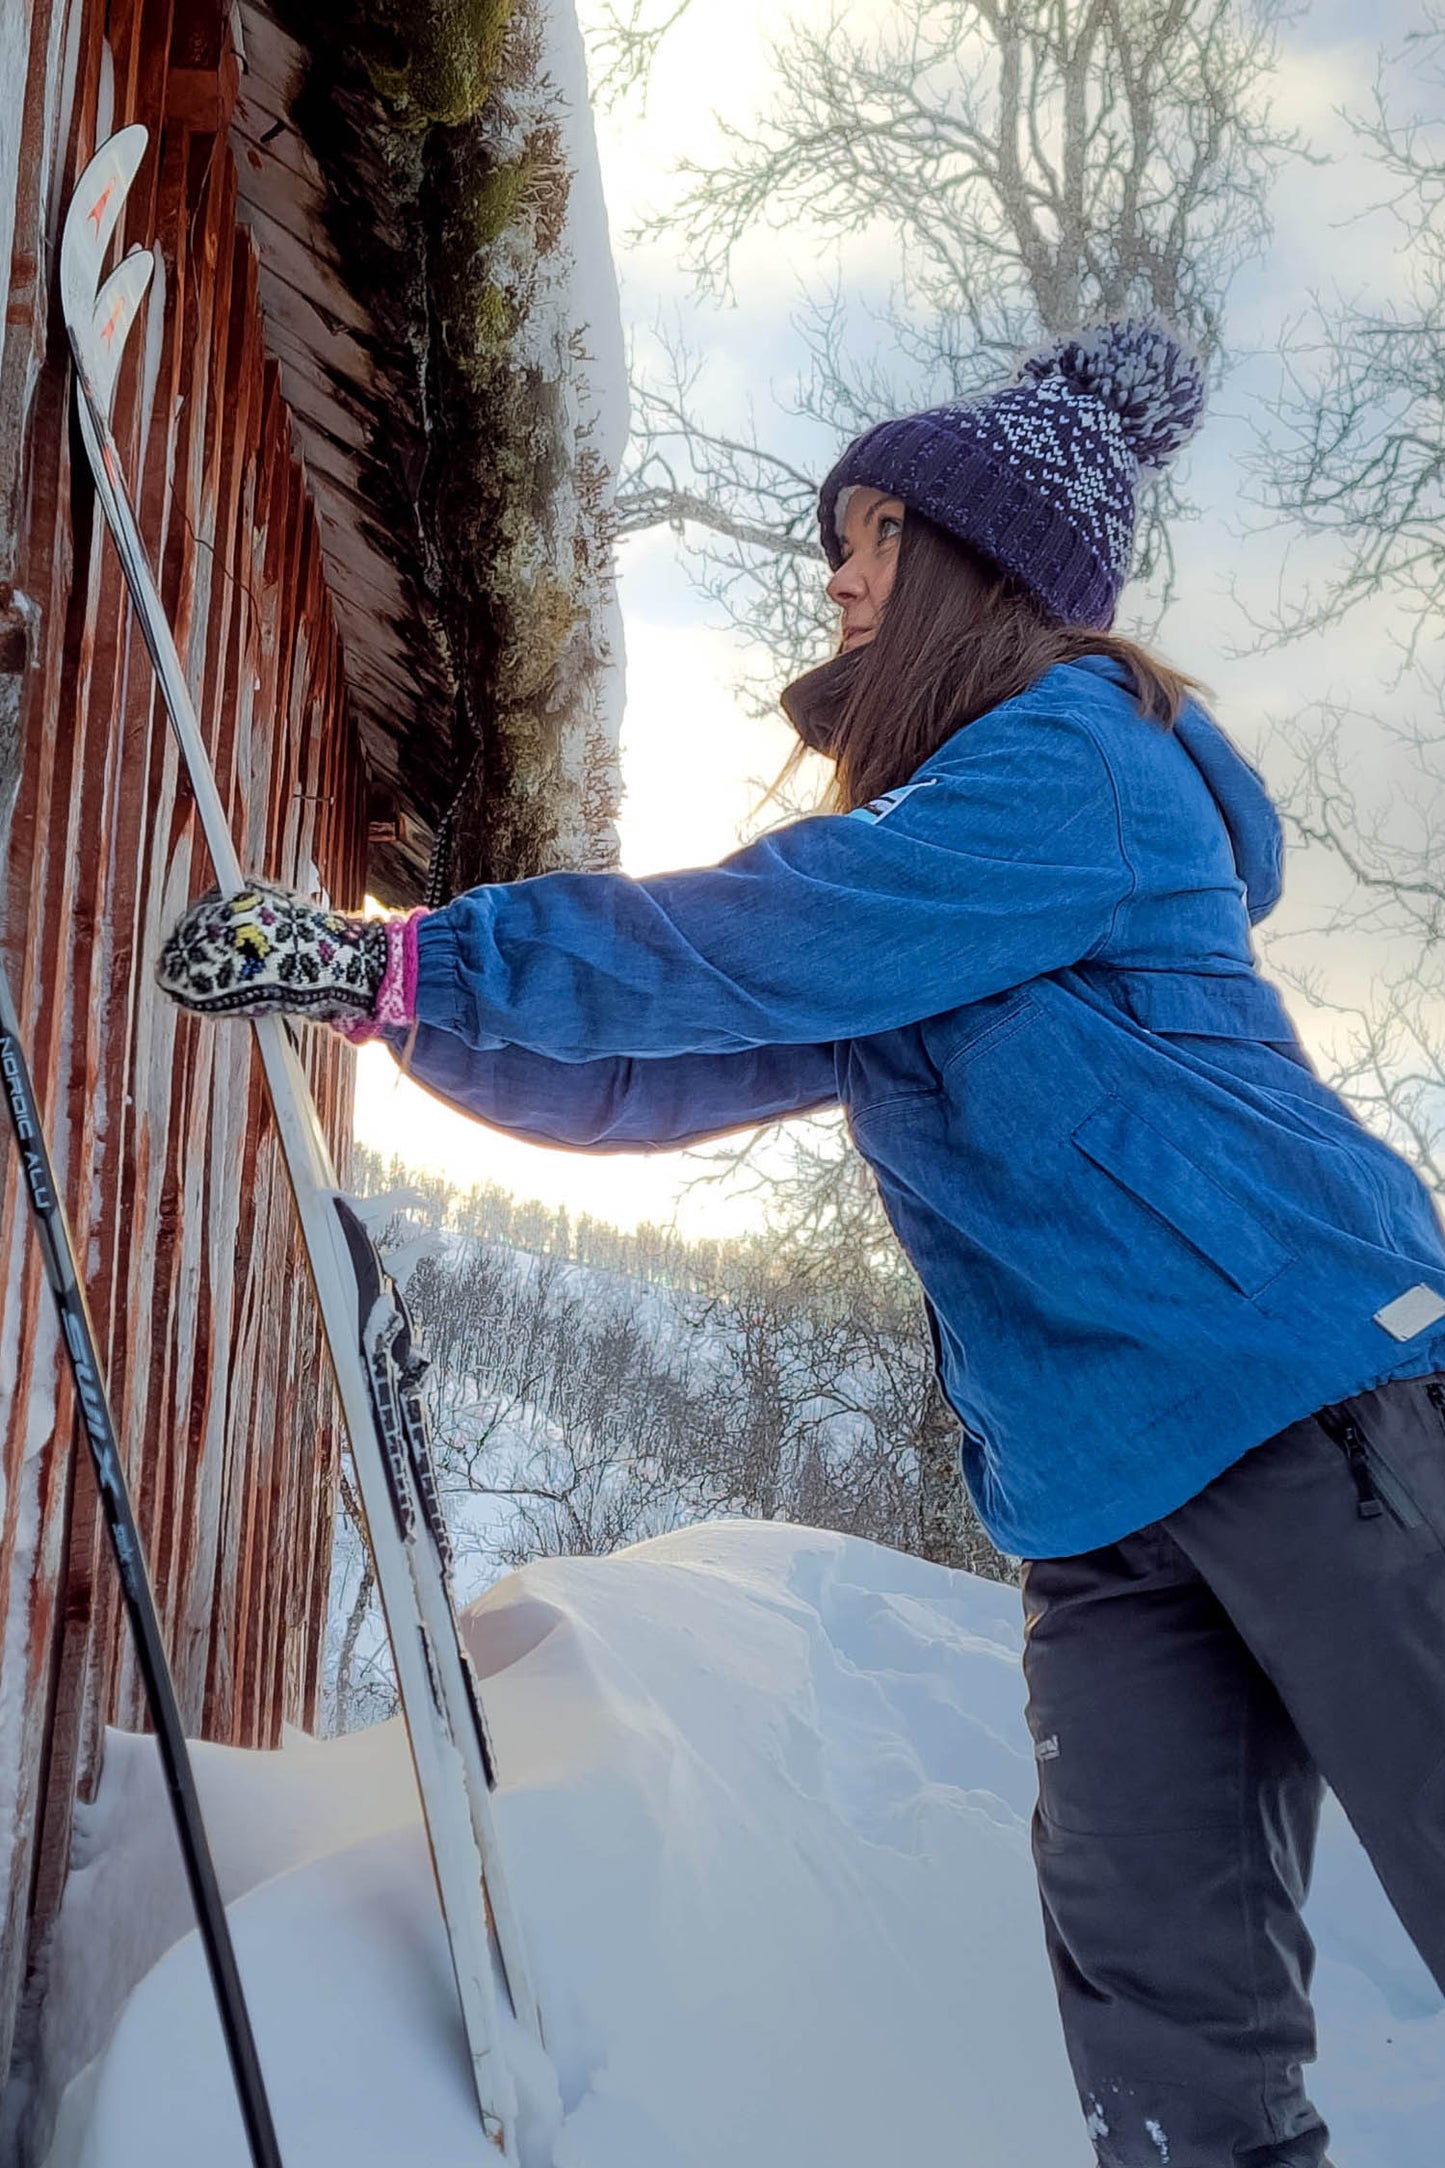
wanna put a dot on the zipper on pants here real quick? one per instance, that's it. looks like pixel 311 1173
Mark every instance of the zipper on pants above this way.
pixel 1348 1437
pixel 1377 1487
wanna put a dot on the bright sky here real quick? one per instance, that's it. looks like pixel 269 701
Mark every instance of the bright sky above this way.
pixel 689 758
pixel 693 760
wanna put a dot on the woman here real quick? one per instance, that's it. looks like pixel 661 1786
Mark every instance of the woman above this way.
pixel 1190 1314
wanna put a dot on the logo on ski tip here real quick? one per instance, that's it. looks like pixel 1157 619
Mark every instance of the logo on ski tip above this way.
pixel 97 210
pixel 108 328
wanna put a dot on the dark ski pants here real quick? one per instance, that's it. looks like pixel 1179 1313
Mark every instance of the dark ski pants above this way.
pixel 1191 1690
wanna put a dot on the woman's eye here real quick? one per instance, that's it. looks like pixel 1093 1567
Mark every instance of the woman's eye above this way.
pixel 889 527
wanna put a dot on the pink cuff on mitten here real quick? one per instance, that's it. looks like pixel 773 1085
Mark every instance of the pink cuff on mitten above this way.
pixel 395 1003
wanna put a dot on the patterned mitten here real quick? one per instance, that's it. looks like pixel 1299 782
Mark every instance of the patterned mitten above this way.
pixel 267 949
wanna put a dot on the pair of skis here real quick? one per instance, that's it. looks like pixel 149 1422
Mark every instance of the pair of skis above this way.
pixel 364 1319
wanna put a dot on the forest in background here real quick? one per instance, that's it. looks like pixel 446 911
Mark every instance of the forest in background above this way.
pixel 591 1387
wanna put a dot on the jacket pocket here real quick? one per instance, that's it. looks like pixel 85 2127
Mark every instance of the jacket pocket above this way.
pixel 1377 1486
pixel 902 1068
pixel 1157 1174
pixel 1395 1497
pixel 962 1035
pixel 1197 1004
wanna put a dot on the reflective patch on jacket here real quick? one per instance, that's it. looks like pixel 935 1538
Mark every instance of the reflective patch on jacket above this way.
pixel 891 800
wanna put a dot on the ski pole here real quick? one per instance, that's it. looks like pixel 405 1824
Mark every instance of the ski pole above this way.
pixel 58 1252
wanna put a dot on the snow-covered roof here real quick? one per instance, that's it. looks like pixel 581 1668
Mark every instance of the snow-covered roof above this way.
pixel 439 298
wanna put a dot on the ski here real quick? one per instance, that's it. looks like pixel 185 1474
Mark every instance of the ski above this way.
pixel 57 1250
pixel 364 1323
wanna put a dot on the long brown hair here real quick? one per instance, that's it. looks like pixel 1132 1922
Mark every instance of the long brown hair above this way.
pixel 957 637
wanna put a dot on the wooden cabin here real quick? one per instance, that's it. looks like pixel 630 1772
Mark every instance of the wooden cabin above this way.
pixel 326 431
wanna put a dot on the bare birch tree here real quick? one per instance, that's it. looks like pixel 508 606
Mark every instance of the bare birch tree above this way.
pixel 1036 163
pixel 870 1351
pixel 1386 1047
pixel 1356 445
pixel 1355 451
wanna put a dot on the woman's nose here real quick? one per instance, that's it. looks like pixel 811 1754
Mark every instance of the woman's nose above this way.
pixel 847 583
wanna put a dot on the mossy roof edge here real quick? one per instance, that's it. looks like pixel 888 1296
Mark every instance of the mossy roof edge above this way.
pixel 443 182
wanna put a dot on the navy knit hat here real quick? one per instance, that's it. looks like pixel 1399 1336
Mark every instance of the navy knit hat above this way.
pixel 1041 476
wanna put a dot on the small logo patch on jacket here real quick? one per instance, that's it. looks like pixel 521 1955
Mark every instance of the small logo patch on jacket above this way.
pixel 1411 1312
pixel 1047 1749
pixel 890 801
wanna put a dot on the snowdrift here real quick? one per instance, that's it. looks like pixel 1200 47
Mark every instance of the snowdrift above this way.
pixel 765 1803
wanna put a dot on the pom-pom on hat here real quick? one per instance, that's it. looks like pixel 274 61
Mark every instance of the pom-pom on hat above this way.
pixel 1041 475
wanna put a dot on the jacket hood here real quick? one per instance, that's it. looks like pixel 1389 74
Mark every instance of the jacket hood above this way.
pixel 1245 806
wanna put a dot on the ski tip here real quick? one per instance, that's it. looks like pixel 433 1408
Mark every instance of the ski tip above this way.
pixel 117 306
pixel 91 220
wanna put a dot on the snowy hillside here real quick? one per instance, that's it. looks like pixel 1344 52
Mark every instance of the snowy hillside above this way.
pixel 765 1799
pixel 581 1401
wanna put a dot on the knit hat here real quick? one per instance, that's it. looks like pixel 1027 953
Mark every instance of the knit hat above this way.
pixel 1041 476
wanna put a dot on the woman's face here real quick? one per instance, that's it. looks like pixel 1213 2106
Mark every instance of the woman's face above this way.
pixel 872 524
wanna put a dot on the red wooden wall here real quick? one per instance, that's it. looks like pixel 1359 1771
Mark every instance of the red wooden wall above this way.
pixel 172 1182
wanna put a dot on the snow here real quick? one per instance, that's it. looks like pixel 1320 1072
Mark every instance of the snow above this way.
pixel 17 1621
pixel 14 53
pixel 569 339
pixel 764 1809
pixel 593 301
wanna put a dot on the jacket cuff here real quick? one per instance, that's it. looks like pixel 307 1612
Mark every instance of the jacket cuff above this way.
pixel 395 1003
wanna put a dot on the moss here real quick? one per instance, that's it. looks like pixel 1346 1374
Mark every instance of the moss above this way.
pixel 433 60
pixel 496 201
pixel 493 320
pixel 542 615
pixel 439 236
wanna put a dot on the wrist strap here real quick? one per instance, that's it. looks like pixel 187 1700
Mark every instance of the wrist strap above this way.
pixel 395 1004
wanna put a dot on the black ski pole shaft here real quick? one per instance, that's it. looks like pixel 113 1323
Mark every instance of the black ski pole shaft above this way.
pixel 58 1253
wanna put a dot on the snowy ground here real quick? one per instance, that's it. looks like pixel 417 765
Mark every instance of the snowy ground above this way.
pixel 765 1805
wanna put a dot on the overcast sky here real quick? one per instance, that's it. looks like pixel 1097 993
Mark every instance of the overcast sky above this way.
pixel 693 759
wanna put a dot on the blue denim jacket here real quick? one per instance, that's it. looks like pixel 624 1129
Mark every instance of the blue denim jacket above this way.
pixel 1149 1235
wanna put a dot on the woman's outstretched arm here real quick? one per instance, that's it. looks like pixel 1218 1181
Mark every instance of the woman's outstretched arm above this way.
pixel 1001 863
pixel 618 1105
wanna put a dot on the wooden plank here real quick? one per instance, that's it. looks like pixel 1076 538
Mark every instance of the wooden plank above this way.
pixel 57 1629
pixel 172 1178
